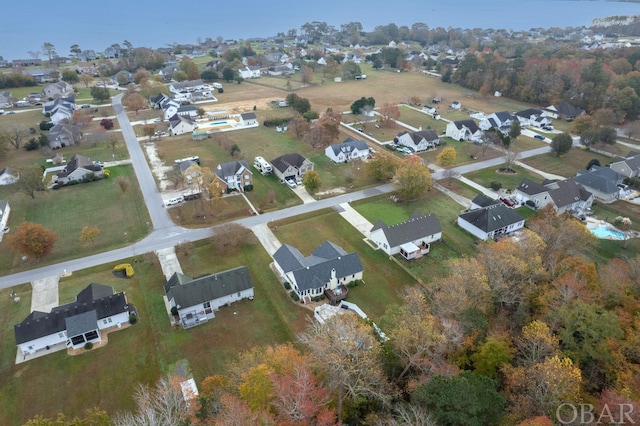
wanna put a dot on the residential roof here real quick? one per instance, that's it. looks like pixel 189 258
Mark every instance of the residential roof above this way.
pixel 417 137
pixel 484 201
pixel 603 179
pixel 315 271
pixel 416 227
pixel 530 187
pixel 190 292
pixel 568 110
pixel 468 123
pixel 176 119
pixel 81 323
pixel 503 116
pixel 568 192
pixel 79 161
pixel 349 145
pixel 189 83
pixel 285 161
pixel 527 113
pixel 231 168
pixel 632 160
pixel 39 324
pixel 492 217
pixel 248 116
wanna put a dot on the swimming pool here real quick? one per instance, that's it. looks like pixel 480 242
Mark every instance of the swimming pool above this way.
pixel 218 123
pixel 605 232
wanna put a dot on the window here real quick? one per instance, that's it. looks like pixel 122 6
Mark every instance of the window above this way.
pixel 104 321
pixel 110 320
pixel 238 294
pixel 206 305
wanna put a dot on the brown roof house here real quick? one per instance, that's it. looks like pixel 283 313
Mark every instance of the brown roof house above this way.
pixel 79 169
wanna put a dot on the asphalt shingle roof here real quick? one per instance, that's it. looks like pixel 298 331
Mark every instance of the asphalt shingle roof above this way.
pixel 492 218
pixel 416 227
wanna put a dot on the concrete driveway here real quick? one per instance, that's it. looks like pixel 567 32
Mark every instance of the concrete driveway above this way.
pixel 44 296
pixel 168 261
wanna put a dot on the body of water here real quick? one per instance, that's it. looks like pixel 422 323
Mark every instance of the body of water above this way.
pixel 27 25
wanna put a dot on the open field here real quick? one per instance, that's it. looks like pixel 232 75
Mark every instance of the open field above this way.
pixel 568 164
pixel 509 181
pixel 122 218
pixel 419 119
pixel 140 354
pixel 466 152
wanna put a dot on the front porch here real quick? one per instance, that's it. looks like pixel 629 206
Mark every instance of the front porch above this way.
pixel 336 295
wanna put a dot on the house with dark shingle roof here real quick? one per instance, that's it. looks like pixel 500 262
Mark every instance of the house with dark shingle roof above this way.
pixel 533 117
pixel 491 221
pixel 79 169
pixel 197 299
pixel 328 270
pixel 418 141
pixel 564 196
pixel 480 201
pixel 563 110
pixel 411 238
pixel 500 121
pixel 463 130
pixel 602 182
pixel 629 166
pixel 234 175
pixel 291 166
pixel 64 134
pixel 180 124
pixel 249 119
pixel 349 149
pixel 95 309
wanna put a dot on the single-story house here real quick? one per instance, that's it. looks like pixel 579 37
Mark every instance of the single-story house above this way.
pixel 78 169
pixel 291 165
pixel 188 86
pixel 411 238
pixel 181 124
pixel 491 221
pixel 5 210
pixel 480 201
pixel 95 309
pixel 629 166
pixel 328 270
pixel 250 72
pixel 418 141
pixel 234 175
pixel 463 130
pixel 7 176
pixel 602 182
pixel 249 119
pixel 349 149
pixel 197 299
pixel 563 110
pixel 564 196
pixel 64 134
pixel 533 117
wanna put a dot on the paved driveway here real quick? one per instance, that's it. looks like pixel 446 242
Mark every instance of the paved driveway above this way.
pixel 44 296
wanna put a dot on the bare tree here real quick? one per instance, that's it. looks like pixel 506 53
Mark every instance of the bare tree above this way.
pixel 231 235
pixel 15 135
pixel 510 160
pixel 124 183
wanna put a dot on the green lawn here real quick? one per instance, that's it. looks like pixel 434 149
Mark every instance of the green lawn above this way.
pixel 106 376
pixel 566 165
pixel 509 181
pixel 122 218
pixel 419 119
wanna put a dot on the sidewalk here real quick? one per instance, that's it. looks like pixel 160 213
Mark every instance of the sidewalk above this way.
pixel 354 218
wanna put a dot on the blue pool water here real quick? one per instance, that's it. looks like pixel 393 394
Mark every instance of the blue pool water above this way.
pixel 219 122
pixel 603 231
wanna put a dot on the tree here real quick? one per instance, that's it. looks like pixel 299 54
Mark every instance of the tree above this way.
pixel 324 131
pixel 33 240
pixel 70 76
pixel 190 68
pixel 307 74
pixel 92 416
pixel 134 101
pixel 382 167
pixel 209 75
pixel 89 234
pixel 30 180
pixel 311 181
pixel 15 134
pixel 491 355
pixel 49 50
pixel 561 144
pixel 412 179
pixel 228 74
pixel 299 104
pixel 346 349
pixel 350 70
pixel 75 50
pixel 231 235
pixel 536 343
pixel 179 76
pixel 201 112
pixel 86 79
pixel 443 398
pixel 389 113
pixel 447 157
pixel 140 76
pixel 362 105
pixel 298 126
pixel 149 130
pixel 515 130
pixel 106 123
pixel 100 94
pixel 124 183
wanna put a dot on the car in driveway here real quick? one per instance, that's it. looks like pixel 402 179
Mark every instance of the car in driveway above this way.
pixel 539 137
pixel 85 106
pixel 174 201
pixel 507 201
pixel 99 163
pixel 290 183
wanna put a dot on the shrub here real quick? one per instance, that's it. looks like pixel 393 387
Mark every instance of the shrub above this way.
pixel 133 318
pixel 220 90
pixel 531 204
pixel 287 286
pixel 88 346
pixel 248 188
pixel 174 311
pixel 32 145
pixel 45 125
pixel 294 295
pixel 495 185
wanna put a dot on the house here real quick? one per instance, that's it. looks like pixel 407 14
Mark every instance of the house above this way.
pixel 564 110
pixel 61 89
pixel 6 100
pixel 290 166
pixel 456 105
pixel 197 299
pixel 4 63
pixel 188 86
pixel 327 271
pixel 249 72
pixel 235 175
pixel 7 176
pixel 64 134
pixel 5 210
pixel 249 119
pixel 79 169
pixel 411 238
pixel 498 120
pixel 463 130
pixel 158 100
pixel 491 221
pixel 111 52
pixel 602 182
pixel 87 55
pixel 167 72
pixel 629 166
pixel 533 117
pixel 87 68
pixel 181 124
pixel 20 63
pixel 42 75
pixel 481 201
pixel 418 141
pixel 564 196
pixel 59 109
pixel 349 149
pixel 96 309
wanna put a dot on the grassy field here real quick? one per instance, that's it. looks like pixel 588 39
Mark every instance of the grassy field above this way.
pixel 122 218
pixel 106 376
pixel 509 181
pixel 568 164
pixel 466 152
pixel 419 119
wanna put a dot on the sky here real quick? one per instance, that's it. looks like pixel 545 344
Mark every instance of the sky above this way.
pixel 28 24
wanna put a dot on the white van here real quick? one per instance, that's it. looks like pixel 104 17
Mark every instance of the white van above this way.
pixel 174 201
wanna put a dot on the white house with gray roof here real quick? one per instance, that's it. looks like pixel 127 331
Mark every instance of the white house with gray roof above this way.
pixel 349 149
pixel 602 182
pixel 197 299
pixel 95 309
pixel 628 166
pixel 418 141
pixel 411 238
pixel 327 271
pixel 491 221
pixel 463 130
pixel 565 196
pixel 500 121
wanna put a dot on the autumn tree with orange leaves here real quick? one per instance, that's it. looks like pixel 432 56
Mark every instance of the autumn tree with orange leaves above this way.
pixel 33 240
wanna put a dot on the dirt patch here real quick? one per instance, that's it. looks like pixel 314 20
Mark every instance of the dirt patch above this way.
pixel 332 192
pixel 158 168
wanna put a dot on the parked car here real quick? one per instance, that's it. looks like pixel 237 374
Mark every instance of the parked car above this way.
pixel 291 183
pixel 85 106
pixel 539 137
pixel 99 163
pixel 298 181
pixel 174 201
pixel 548 127
pixel 507 201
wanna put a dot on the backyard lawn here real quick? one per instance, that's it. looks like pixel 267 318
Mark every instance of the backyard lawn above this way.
pixel 568 164
pixel 509 182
